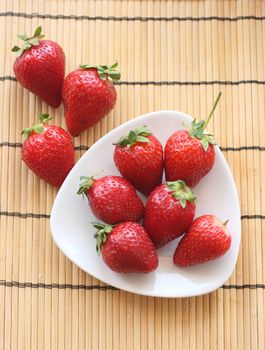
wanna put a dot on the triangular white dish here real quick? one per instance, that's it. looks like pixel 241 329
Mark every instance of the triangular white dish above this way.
pixel 216 194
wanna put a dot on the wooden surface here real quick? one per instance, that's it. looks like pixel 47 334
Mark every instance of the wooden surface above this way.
pixel 173 55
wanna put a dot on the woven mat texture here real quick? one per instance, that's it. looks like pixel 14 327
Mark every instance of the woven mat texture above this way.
pixel 172 55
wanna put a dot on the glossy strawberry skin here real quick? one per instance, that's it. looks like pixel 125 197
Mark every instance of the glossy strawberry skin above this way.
pixel 206 239
pixel 87 99
pixel 165 219
pixel 186 159
pixel 41 71
pixel 113 199
pixel 50 155
pixel 141 164
pixel 129 249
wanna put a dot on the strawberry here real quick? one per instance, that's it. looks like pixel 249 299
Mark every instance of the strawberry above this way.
pixel 48 151
pixel 190 155
pixel 126 248
pixel 39 67
pixel 206 239
pixel 169 211
pixel 139 158
pixel 112 199
pixel 88 96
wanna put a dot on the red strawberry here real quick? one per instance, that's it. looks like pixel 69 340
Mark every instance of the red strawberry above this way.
pixel 112 199
pixel 48 151
pixel 40 67
pixel 126 248
pixel 169 211
pixel 88 96
pixel 190 155
pixel 206 239
pixel 139 158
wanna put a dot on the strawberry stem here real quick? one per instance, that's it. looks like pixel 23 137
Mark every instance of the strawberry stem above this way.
pixel 101 234
pixel 225 223
pixel 212 111
pixel 105 71
pixel 38 128
pixel 198 128
pixel 181 192
pixel 87 182
pixel 28 41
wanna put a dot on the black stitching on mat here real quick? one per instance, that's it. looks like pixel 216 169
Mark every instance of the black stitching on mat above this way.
pixel 193 83
pixel 11 144
pixel 81 148
pixel 243 148
pixel 8 77
pixel 244 286
pixel 102 288
pixel 249 217
pixel 133 19
pixel 174 82
pixel 54 285
pixel 24 215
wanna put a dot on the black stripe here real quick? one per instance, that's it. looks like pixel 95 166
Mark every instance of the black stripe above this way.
pixel 54 285
pixel 102 288
pixel 133 19
pixel 8 77
pixel 81 148
pixel 173 82
pixel 243 148
pixel 244 286
pixel 24 215
pixel 193 83
pixel 85 148
pixel 47 216
pixel 249 217
pixel 10 144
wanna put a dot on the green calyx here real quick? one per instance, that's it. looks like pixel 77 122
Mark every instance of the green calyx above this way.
pixel 38 128
pixel 181 192
pixel 101 234
pixel 137 135
pixel 87 182
pixel 28 41
pixel 105 71
pixel 198 128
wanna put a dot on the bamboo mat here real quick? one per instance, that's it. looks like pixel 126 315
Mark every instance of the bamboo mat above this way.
pixel 172 55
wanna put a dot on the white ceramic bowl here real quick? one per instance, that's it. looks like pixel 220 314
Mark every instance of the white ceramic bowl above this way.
pixel 216 194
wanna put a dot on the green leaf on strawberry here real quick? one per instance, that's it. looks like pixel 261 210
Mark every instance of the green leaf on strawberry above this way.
pixel 28 41
pixel 137 135
pixel 38 128
pixel 101 234
pixel 105 71
pixel 38 32
pixel 198 131
pixel 181 192
pixel 87 182
pixel 23 37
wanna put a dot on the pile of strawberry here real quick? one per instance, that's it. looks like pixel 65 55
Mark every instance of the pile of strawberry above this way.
pixel 88 95
pixel 128 246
